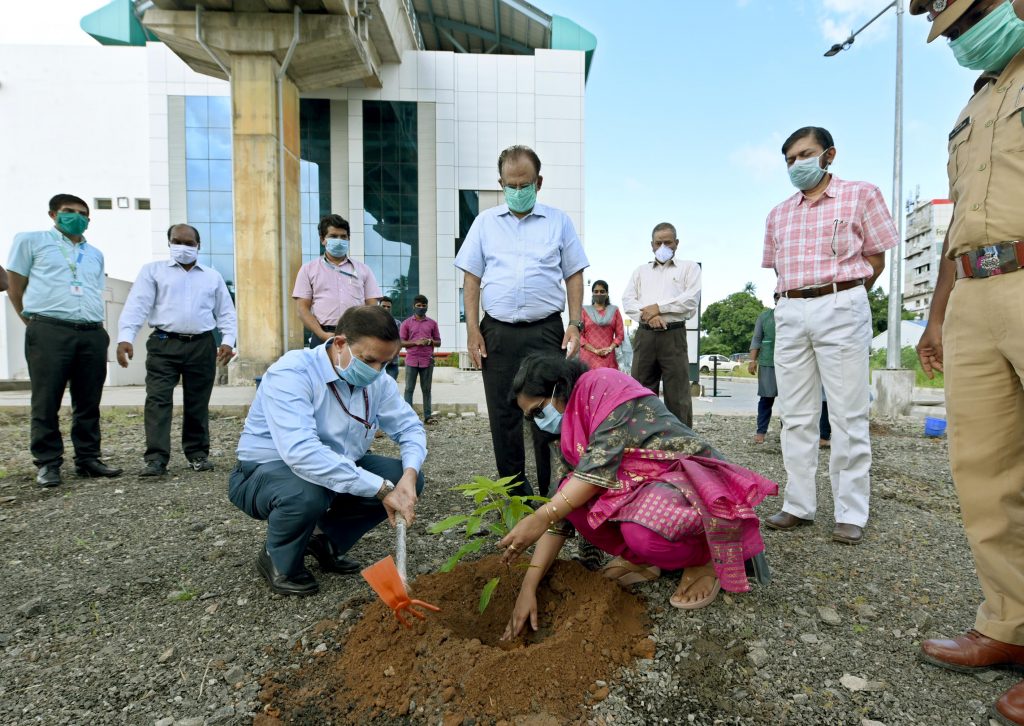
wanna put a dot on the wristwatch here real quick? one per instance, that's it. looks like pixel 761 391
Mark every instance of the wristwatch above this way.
pixel 577 324
pixel 386 488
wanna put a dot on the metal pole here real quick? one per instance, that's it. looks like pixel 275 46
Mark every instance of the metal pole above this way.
pixel 892 356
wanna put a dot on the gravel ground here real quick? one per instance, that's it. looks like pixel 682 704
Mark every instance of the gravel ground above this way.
pixel 135 601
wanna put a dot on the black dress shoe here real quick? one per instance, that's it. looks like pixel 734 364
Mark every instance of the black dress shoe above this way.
pixel 49 476
pixel 301 583
pixel 321 547
pixel 95 468
pixel 201 463
pixel 154 468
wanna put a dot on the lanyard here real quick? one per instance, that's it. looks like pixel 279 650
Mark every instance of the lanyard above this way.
pixel 366 404
pixel 73 266
pixel 337 268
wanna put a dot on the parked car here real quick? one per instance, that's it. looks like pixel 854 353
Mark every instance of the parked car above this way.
pixel 706 363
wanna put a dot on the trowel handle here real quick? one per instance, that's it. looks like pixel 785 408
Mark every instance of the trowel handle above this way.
pixel 400 557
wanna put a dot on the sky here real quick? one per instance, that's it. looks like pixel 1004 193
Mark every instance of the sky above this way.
pixel 688 103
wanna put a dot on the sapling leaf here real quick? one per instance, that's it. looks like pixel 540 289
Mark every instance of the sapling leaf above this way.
pixel 464 550
pixel 448 523
pixel 485 594
pixel 473 525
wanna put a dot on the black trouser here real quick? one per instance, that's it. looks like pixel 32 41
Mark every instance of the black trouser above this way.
pixel 659 357
pixel 426 376
pixel 193 361
pixel 61 353
pixel 507 344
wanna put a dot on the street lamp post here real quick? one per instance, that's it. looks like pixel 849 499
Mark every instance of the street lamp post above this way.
pixel 892 357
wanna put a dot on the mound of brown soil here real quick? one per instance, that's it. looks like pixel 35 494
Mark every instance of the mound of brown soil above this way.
pixel 452 667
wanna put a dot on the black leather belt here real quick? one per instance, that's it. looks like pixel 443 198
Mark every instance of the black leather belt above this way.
pixel 830 289
pixel 992 260
pixel 180 336
pixel 670 326
pixel 328 328
pixel 67 323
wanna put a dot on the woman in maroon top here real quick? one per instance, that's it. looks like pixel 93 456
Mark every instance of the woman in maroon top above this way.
pixel 602 329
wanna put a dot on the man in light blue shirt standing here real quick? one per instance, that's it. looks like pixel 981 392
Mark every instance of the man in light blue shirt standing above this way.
pixel 517 255
pixel 302 457
pixel 56 287
pixel 183 301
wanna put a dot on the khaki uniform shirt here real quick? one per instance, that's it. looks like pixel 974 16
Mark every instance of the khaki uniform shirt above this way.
pixel 986 163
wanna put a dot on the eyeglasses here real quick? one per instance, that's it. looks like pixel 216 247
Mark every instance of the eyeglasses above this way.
pixel 520 186
pixel 536 413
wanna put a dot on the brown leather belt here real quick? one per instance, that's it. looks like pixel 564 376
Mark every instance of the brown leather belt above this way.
pixel 991 261
pixel 830 289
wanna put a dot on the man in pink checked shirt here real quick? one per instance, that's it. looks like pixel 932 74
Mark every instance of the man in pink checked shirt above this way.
pixel 827 244
pixel 420 335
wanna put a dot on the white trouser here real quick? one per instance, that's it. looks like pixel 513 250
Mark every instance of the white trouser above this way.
pixel 825 341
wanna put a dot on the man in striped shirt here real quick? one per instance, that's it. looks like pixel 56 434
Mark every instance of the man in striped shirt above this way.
pixel 827 245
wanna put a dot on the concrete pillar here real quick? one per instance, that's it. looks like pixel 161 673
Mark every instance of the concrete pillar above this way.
pixel 894 392
pixel 258 191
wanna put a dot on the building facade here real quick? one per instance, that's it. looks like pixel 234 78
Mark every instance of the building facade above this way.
pixel 926 225
pixel 148 142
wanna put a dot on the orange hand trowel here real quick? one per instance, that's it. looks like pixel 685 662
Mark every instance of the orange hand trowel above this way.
pixel 387 578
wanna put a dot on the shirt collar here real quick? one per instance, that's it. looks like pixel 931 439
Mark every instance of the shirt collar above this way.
pixel 539 210
pixel 830 190
pixel 324 364
pixel 171 262
pixel 655 265
pixel 61 236
pixel 348 261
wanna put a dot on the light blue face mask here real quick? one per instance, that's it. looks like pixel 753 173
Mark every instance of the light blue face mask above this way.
pixel 993 42
pixel 550 419
pixel 336 248
pixel 806 173
pixel 358 373
pixel 521 200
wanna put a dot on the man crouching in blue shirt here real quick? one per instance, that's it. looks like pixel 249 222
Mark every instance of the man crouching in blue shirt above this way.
pixel 302 461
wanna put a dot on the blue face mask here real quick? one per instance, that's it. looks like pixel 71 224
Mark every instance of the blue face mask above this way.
pixel 336 248
pixel 550 419
pixel 358 373
pixel 992 43
pixel 521 200
pixel 806 173
pixel 419 312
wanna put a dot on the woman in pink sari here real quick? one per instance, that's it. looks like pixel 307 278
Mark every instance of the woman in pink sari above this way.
pixel 640 485
pixel 602 330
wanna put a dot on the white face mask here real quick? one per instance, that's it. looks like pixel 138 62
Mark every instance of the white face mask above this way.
pixel 663 254
pixel 184 254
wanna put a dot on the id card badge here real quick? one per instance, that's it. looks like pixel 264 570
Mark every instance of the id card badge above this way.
pixel 76 288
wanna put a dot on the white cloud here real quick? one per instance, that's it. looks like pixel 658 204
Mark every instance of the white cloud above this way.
pixel 762 162
pixel 839 18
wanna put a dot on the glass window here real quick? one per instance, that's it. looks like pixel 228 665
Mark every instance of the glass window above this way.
pixel 198 205
pixel 196 112
pixel 219 143
pixel 197 175
pixel 197 144
pixel 219 110
pixel 220 207
pixel 222 239
pixel 220 175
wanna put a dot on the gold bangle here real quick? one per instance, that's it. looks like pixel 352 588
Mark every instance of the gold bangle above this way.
pixel 555 518
pixel 571 505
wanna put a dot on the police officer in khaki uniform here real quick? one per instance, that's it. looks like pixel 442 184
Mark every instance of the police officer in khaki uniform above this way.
pixel 975 331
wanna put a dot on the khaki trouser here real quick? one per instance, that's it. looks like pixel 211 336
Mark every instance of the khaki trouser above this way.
pixel 983 341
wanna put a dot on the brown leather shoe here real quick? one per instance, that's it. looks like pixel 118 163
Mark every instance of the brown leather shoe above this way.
pixel 785 521
pixel 848 534
pixel 1009 709
pixel 972 652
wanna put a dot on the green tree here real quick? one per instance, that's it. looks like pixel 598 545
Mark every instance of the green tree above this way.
pixel 879 302
pixel 729 323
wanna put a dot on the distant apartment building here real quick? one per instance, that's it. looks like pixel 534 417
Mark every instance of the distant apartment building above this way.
pixel 927 222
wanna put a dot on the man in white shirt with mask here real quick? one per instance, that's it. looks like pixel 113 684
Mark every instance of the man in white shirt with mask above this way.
pixel 661 296
pixel 183 302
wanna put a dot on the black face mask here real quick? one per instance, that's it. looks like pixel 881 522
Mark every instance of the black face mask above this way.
pixel 600 298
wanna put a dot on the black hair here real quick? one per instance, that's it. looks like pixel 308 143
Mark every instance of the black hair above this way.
pixel 385 298
pixel 663 226
pixel 171 229
pixel 59 200
pixel 367 321
pixel 332 220
pixel 599 282
pixel 821 136
pixel 420 299
pixel 517 152
pixel 541 373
